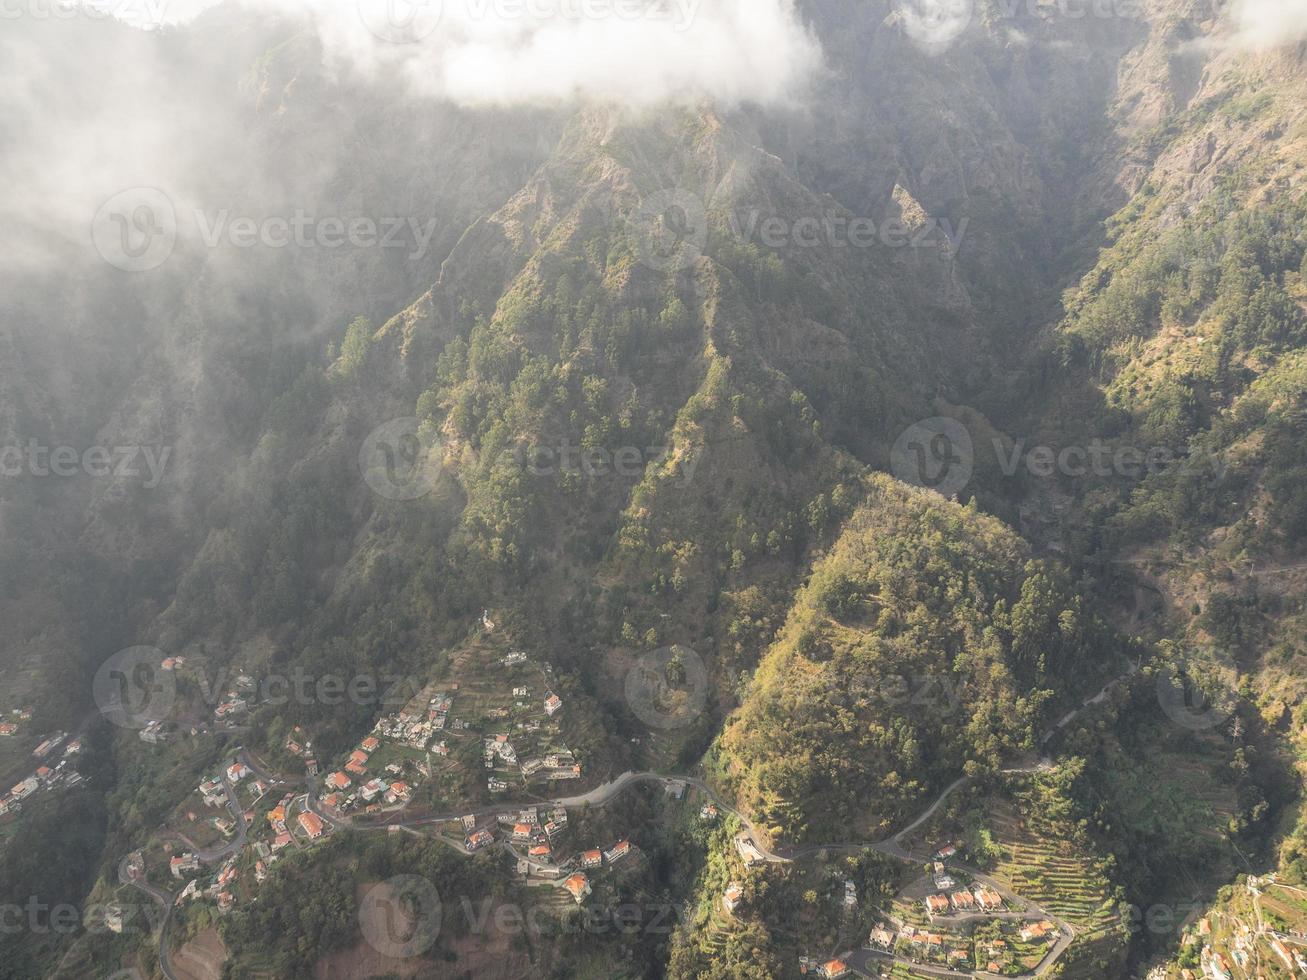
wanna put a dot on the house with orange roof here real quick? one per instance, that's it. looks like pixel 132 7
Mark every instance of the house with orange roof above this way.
pixel 338 780
pixel 579 885
pixel 987 898
pixel 541 852
pixel 1035 930
pixel 832 969
pixel 963 901
pixel 592 859
pixel 311 824
pixel 370 744
pixel 936 905
pixel 732 897
pixel 522 831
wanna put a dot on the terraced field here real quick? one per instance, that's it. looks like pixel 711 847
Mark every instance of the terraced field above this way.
pixel 1052 874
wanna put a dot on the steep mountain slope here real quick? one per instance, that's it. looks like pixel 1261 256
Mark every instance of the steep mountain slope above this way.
pixel 652 374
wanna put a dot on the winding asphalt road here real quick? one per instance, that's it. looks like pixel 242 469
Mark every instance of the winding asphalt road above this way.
pixel 165 899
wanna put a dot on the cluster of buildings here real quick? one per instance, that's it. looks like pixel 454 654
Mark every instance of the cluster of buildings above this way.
pixel 538 830
pixel 939 947
pixel 980 898
pixel 355 785
pixel 1216 964
pixel 16 717
pixel 558 764
pixel 46 776
pixel 932 945
pixel 416 725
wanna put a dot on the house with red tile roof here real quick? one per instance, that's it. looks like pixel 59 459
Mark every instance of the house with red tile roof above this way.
pixel 936 905
pixel 963 901
pixel 311 824
pixel 579 885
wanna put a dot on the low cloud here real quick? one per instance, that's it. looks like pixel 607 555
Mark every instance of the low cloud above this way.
pixel 506 52
pixel 1264 24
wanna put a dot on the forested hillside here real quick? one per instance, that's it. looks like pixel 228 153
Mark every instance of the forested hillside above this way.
pixel 644 409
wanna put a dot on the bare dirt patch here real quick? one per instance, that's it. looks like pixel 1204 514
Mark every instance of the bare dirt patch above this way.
pixel 201 958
